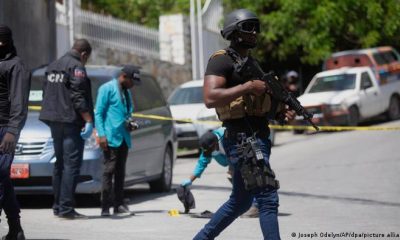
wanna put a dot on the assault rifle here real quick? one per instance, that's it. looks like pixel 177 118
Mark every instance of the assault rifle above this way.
pixel 252 70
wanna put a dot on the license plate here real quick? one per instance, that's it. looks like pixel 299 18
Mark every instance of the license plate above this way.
pixel 19 171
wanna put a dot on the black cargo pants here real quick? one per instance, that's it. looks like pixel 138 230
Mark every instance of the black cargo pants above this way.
pixel 114 166
pixel 8 201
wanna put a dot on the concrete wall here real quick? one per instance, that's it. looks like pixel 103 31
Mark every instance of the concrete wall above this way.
pixel 174 32
pixel 34 29
pixel 62 29
pixel 169 75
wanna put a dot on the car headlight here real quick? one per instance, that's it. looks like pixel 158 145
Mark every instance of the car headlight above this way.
pixel 334 107
pixel 49 146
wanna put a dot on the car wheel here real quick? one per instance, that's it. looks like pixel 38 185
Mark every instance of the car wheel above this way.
pixel 163 184
pixel 394 108
pixel 353 117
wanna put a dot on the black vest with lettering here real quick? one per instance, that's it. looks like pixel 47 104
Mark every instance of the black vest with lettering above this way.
pixel 57 105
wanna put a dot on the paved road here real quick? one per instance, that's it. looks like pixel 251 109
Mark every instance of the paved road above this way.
pixel 330 182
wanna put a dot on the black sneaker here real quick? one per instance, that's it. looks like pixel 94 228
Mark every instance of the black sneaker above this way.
pixel 72 215
pixel 105 212
pixel 19 236
pixel 122 209
pixel 55 210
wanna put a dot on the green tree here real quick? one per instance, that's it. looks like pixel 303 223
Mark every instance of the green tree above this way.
pixel 312 29
pixel 144 12
pixel 296 34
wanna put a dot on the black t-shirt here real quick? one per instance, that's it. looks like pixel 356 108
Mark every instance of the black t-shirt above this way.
pixel 222 65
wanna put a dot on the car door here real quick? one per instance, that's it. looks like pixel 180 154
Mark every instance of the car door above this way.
pixel 369 96
pixel 147 141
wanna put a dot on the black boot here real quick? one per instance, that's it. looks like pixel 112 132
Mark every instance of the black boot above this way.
pixel 15 231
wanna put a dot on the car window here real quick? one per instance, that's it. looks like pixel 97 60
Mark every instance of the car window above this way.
pixel 96 82
pixel 187 95
pixel 334 83
pixel 385 57
pixel 365 81
pixel 147 95
pixel 389 56
pixel 379 59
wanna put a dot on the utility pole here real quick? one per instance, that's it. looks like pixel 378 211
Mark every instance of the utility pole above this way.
pixel 200 29
pixel 193 39
pixel 197 49
pixel 71 7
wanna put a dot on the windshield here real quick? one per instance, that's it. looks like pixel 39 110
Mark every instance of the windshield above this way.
pixel 187 96
pixel 36 92
pixel 334 83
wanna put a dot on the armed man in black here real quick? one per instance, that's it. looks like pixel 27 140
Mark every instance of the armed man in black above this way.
pixel 14 91
pixel 67 108
pixel 244 106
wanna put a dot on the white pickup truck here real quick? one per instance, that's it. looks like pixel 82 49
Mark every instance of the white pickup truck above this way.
pixel 347 96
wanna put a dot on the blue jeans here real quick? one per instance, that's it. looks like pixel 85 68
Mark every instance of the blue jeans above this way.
pixel 240 200
pixel 8 201
pixel 68 147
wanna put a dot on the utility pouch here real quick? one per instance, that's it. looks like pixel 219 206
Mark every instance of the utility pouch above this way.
pixel 255 173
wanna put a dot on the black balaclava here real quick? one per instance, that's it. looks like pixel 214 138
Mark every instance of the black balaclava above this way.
pixel 6 41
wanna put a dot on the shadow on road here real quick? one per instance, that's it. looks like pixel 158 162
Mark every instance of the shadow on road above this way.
pixel 342 199
pixel 132 196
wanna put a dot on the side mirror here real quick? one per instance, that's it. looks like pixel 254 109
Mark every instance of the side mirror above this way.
pixel 365 85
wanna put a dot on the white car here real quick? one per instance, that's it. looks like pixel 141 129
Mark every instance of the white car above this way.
pixel 186 102
pixel 348 96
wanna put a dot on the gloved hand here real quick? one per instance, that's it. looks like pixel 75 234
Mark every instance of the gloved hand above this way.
pixel 186 182
pixel 87 131
pixel 8 143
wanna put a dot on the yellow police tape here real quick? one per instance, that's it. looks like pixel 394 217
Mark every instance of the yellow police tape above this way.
pixel 277 127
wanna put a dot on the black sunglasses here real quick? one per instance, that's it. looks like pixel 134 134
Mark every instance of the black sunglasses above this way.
pixel 249 26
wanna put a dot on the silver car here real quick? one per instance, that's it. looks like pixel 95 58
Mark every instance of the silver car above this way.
pixel 150 160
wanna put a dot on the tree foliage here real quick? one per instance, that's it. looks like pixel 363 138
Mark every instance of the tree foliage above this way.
pixel 144 12
pixel 300 31
pixel 312 29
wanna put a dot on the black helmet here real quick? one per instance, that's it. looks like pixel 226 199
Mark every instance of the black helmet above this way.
pixel 235 21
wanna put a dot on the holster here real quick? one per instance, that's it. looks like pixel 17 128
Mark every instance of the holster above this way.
pixel 255 172
pixel 255 176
